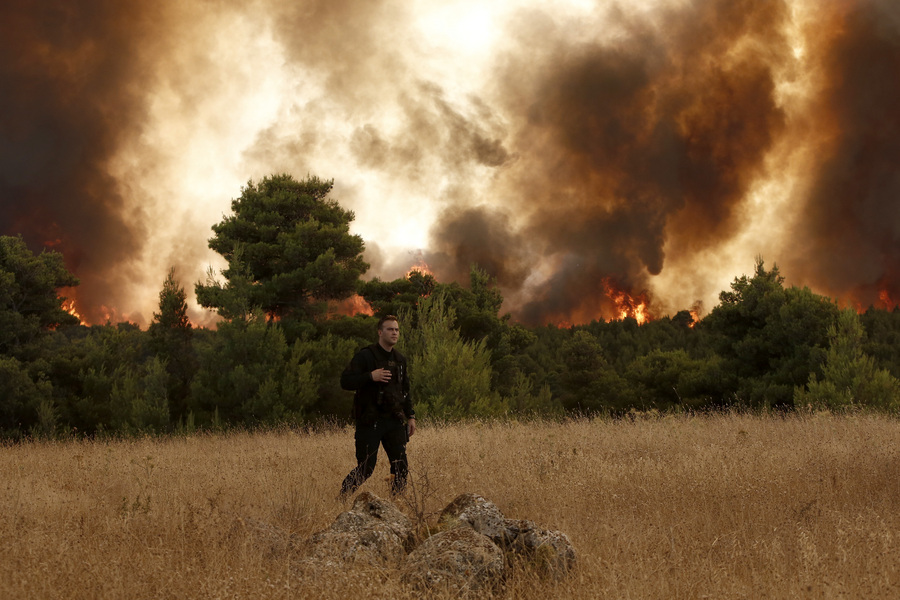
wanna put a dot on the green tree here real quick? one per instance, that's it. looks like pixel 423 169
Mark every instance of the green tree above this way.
pixel 671 378
pixel 850 377
pixel 450 377
pixel 21 398
pixel 400 295
pixel 150 403
pixel 770 337
pixel 328 356
pixel 291 244
pixel 171 336
pixel 110 363
pixel 588 382
pixel 29 304
pixel 882 340
pixel 248 375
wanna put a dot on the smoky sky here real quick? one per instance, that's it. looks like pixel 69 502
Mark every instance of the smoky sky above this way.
pixel 601 151
pixel 69 78
pixel 849 237
pixel 633 144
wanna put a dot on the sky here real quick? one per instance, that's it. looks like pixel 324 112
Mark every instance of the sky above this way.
pixel 573 149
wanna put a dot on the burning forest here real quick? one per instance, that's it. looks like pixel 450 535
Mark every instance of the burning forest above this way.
pixel 600 160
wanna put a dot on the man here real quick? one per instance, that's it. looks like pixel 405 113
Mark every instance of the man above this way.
pixel 381 407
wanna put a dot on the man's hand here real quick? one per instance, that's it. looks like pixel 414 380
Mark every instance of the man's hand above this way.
pixel 381 375
pixel 411 426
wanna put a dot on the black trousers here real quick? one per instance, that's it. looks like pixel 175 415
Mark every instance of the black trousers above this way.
pixel 389 432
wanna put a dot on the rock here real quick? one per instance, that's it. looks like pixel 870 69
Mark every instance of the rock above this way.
pixel 373 532
pixel 551 552
pixel 469 555
pixel 461 561
pixel 481 515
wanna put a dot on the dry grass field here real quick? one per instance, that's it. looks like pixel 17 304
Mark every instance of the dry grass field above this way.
pixel 731 506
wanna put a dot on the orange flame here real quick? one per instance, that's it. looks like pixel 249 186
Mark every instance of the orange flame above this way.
pixel 695 311
pixel 69 307
pixel 359 306
pixel 420 267
pixel 354 305
pixel 695 317
pixel 627 305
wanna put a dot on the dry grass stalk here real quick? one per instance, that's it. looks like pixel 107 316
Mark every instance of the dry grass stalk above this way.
pixel 688 507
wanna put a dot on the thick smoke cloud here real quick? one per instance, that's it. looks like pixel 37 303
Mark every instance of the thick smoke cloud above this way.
pixel 594 150
pixel 70 77
pixel 479 236
pixel 630 145
pixel 848 239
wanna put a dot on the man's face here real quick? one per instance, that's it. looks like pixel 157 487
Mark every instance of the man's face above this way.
pixel 389 333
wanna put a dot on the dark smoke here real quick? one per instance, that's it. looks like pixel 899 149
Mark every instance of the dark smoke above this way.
pixel 70 76
pixel 630 146
pixel 605 149
pixel 849 236
pixel 479 236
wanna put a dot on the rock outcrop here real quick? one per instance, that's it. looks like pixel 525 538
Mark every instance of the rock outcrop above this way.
pixel 460 560
pixel 551 551
pixel 470 554
pixel 373 532
pixel 481 515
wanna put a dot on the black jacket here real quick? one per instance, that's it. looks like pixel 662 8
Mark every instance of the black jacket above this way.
pixel 374 399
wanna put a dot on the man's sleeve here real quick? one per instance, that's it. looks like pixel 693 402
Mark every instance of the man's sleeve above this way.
pixel 357 373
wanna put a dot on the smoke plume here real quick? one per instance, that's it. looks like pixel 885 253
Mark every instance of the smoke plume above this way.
pixel 71 78
pixel 576 153
pixel 847 239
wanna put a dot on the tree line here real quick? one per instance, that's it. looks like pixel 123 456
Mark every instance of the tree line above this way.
pixel 277 353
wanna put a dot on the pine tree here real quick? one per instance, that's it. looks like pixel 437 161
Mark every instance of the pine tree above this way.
pixel 292 243
pixel 850 377
pixel 171 336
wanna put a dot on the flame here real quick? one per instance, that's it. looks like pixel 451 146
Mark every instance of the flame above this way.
pixel 69 307
pixel 636 307
pixel 354 305
pixel 695 316
pixel 695 311
pixel 884 300
pixel 420 267
pixel 108 313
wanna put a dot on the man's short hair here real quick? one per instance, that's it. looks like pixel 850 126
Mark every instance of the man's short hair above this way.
pixel 385 319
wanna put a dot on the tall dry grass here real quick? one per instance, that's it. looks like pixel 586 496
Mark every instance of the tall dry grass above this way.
pixel 684 507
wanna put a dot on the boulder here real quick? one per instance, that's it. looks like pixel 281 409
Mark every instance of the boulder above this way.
pixel 473 510
pixel 551 551
pixel 373 532
pixel 460 561
pixel 470 553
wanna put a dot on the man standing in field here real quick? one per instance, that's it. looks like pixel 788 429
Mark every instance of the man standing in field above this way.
pixel 381 407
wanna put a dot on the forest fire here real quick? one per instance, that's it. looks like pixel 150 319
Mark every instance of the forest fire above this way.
pixel 69 306
pixel 420 267
pixel 603 146
pixel 352 306
pixel 635 307
pixel 884 300
pixel 695 313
